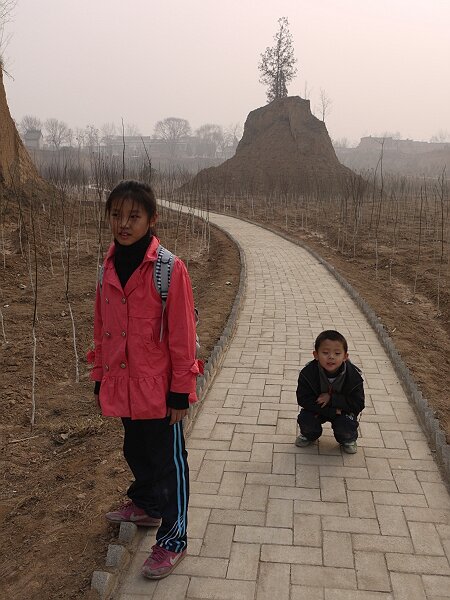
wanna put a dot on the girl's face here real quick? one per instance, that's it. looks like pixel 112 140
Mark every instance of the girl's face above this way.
pixel 129 221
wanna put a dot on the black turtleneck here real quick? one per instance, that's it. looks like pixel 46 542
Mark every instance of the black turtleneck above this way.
pixel 128 258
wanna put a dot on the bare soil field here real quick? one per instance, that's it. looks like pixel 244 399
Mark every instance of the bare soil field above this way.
pixel 60 477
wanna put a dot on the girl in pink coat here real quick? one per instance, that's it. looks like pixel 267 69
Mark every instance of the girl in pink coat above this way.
pixel 146 379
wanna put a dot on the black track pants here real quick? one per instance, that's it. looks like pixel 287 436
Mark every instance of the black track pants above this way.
pixel 157 457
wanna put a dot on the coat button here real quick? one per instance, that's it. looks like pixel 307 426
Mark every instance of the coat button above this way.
pixel 123 300
pixel 124 333
pixel 123 365
pixel 106 368
pixel 107 300
pixel 107 334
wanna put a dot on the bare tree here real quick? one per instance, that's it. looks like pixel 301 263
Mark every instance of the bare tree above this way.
pixel 58 133
pixel 277 63
pixel 441 137
pixel 233 134
pixel 172 130
pixel 108 132
pixel 213 136
pixel 30 123
pixel 306 91
pixel 342 142
pixel 6 8
pixel 131 129
pixel 80 137
pixel 325 104
pixel 92 136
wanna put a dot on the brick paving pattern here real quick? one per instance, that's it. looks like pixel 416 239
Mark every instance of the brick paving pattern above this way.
pixel 270 520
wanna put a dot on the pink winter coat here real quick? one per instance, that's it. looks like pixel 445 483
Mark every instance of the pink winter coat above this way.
pixel 136 369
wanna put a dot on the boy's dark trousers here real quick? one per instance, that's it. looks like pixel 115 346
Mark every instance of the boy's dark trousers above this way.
pixel 157 457
pixel 345 426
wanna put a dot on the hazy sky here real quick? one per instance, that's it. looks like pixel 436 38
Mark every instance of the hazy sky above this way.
pixel 384 63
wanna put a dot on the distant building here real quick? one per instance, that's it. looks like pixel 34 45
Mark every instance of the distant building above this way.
pixel 404 157
pixel 185 147
pixel 33 139
pixel 135 145
pixel 398 145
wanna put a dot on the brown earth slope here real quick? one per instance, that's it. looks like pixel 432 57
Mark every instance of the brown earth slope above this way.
pixel 15 164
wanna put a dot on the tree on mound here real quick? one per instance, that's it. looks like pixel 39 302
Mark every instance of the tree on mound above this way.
pixel 277 63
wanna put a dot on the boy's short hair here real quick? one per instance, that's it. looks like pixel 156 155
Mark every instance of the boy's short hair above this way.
pixel 330 334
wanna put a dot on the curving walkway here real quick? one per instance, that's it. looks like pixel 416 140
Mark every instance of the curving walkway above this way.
pixel 270 520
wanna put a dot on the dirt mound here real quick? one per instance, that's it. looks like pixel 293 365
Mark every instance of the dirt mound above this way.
pixel 16 166
pixel 284 147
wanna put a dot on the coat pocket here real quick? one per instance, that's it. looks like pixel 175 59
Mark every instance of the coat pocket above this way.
pixel 146 330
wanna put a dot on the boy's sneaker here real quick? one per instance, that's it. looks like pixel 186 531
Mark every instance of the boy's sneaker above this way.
pixel 350 447
pixel 161 562
pixel 302 441
pixel 131 513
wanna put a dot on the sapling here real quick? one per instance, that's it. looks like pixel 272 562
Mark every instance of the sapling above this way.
pixel 441 192
pixel 33 328
pixel 419 245
pixel 65 248
pixel 2 322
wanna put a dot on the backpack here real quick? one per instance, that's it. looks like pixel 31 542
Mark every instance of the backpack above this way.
pixel 161 278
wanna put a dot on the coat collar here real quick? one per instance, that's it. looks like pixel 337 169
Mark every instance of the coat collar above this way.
pixel 150 254
pixel 136 277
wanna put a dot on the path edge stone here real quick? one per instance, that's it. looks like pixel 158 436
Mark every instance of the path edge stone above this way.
pixel 118 557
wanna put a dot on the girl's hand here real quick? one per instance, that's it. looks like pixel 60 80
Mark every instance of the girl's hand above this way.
pixel 176 414
pixel 323 399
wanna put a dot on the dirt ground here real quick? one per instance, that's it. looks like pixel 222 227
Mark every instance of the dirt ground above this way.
pixel 58 479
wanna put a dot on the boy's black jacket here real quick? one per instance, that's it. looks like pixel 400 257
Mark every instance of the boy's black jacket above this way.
pixel 350 400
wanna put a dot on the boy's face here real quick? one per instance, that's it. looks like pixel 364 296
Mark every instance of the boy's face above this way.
pixel 331 355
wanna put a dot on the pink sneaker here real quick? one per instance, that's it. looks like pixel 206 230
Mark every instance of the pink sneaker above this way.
pixel 161 562
pixel 129 512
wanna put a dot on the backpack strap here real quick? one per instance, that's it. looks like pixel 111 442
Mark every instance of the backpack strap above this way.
pixel 101 272
pixel 161 277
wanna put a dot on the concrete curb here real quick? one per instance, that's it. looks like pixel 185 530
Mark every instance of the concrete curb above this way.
pixel 426 415
pixel 118 556
pixel 103 583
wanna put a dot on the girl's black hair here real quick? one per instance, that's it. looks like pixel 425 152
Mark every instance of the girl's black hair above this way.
pixel 138 192
pixel 334 336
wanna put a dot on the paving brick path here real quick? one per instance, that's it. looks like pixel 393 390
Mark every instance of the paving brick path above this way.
pixel 268 520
